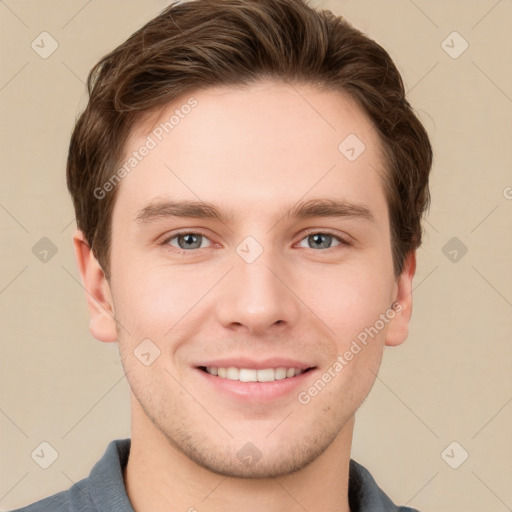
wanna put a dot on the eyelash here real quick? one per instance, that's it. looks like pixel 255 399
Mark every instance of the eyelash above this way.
pixel 190 252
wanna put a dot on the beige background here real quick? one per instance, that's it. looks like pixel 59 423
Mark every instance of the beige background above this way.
pixel 451 381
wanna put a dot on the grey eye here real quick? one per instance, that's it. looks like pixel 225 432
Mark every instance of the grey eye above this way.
pixel 188 241
pixel 320 241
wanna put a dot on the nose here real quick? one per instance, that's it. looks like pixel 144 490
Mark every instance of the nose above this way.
pixel 257 297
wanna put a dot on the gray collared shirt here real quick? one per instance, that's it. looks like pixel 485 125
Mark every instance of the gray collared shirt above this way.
pixel 104 491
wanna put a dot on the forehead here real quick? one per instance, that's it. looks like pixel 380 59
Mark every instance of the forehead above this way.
pixel 258 147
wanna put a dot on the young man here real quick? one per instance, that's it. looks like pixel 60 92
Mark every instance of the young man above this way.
pixel 249 181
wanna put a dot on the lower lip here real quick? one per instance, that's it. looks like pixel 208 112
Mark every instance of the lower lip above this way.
pixel 256 392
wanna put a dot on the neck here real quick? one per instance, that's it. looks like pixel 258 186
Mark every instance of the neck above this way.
pixel 160 478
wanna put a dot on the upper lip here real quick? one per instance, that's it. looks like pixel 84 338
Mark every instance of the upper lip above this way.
pixel 244 362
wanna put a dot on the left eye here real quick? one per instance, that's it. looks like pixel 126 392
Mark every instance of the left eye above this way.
pixel 321 240
pixel 188 240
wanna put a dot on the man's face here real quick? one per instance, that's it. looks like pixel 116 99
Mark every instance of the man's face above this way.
pixel 260 283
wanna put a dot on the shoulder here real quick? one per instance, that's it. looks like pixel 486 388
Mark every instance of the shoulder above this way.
pixel 103 489
pixel 365 495
pixel 74 499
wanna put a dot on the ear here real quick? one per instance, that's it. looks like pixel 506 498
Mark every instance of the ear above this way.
pixel 102 323
pixel 398 327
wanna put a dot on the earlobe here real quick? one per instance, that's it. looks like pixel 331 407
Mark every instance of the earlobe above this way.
pixel 97 291
pixel 398 328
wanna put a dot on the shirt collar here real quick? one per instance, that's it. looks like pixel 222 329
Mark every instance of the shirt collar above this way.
pixel 108 492
pixel 364 495
pixel 107 489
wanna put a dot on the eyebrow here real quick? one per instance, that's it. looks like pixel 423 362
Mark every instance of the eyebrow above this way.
pixel 158 210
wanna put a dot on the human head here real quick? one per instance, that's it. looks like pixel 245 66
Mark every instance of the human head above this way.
pixel 253 147
pixel 200 44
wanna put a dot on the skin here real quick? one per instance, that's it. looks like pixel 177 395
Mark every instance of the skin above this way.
pixel 256 151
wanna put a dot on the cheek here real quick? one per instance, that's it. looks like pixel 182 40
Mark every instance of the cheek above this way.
pixel 349 299
pixel 352 310
pixel 151 302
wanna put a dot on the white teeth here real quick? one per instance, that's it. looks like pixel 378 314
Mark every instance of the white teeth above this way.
pixel 246 375
pixel 266 375
pixel 232 373
pixel 280 373
pixel 251 375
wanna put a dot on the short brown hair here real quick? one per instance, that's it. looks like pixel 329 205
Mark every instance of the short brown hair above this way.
pixel 205 43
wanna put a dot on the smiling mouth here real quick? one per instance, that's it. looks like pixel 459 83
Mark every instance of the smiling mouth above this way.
pixel 253 375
